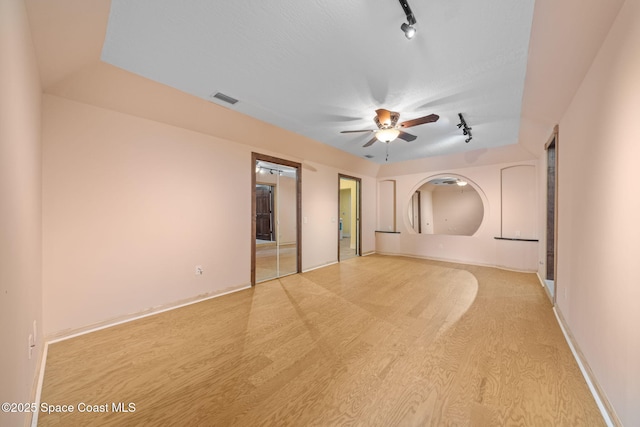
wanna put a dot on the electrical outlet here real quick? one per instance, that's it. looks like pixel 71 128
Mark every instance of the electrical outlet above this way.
pixel 199 270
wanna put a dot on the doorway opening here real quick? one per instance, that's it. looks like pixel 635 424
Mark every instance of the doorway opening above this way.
pixel 551 215
pixel 265 194
pixel 275 225
pixel 349 224
pixel 415 210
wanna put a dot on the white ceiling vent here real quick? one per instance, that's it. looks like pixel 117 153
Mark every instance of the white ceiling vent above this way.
pixel 224 98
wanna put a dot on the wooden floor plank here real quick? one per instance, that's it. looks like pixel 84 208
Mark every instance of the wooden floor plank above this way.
pixel 374 340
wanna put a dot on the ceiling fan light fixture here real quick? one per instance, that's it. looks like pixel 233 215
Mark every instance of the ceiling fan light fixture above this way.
pixel 409 30
pixel 387 135
pixel 461 183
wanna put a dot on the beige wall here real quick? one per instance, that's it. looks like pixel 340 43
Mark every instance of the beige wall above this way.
pixel 598 279
pixel 109 211
pixel 426 211
pixel 131 206
pixel 320 208
pixel 20 191
pixel 386 205
pixel 456 210
pixel 519 202
pixel 482 247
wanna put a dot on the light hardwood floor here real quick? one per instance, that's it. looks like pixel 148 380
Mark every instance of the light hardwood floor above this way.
pixel 372 341
pixel 273 261
pixel 346 251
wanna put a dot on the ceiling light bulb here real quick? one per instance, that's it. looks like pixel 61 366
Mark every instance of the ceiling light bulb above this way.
pixel 387 135
pixel 409 30
pixel 461 183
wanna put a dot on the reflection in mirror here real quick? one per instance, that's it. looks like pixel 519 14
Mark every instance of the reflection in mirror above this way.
pixel 446 205
pixel 276 226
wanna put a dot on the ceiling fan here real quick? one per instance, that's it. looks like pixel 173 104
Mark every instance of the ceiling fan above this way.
pixel 389 129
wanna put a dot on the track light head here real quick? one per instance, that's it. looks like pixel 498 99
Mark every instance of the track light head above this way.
pixel 466 130
pixel 409 30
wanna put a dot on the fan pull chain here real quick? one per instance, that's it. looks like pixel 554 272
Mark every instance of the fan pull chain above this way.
pixel 387 158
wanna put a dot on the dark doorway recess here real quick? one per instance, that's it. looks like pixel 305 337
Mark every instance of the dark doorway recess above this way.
pixel 551 215
pixel 264 212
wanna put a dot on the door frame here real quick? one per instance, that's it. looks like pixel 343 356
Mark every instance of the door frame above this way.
pixel 416 195
pixel 298 166
pixel 552 229
pixel 358 213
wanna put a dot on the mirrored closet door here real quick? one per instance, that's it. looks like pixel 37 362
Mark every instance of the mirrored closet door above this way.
pixel 276 236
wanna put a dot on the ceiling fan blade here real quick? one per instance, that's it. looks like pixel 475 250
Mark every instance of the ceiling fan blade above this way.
pixel 406 136
pixel 420 121
pixel 356 131
pixel 384 116
pixel 371 141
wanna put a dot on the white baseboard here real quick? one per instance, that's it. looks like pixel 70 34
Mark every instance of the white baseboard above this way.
pixel 607 411
pixel 319 266
pixel 455 261
pixel 38 393
pixel 108 324
pixel 65 335
pixel 543 283
pixel 608 414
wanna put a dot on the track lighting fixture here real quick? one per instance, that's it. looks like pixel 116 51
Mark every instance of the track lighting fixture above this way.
pixel 264 169
pixel 408 27
pixel 409 30
pixel 466 130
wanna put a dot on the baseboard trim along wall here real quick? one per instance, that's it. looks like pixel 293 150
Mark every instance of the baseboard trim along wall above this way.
pixel 319 266
pixel 65 335
pixel 608 413
pixel 545 287
pixel 453 261
pixel 605 407
pixel 332 262
pixel 38 391
pixel 107 324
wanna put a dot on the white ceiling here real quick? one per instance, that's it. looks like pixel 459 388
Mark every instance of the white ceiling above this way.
pixel 317 68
